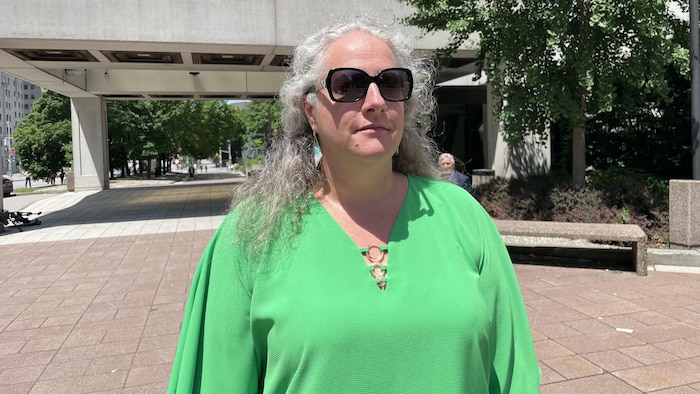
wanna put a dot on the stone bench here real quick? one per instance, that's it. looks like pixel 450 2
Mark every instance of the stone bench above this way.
pixel 589 231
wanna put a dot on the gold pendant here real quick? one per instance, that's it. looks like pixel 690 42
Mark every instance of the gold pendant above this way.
pixel 375 254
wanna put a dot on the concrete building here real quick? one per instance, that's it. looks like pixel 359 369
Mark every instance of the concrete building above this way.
pixel 16 99
pixel 94 51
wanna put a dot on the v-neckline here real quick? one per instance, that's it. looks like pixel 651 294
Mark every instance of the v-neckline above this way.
pixel 348 238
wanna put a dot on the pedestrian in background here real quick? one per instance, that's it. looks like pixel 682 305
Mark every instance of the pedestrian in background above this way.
pixel 447 165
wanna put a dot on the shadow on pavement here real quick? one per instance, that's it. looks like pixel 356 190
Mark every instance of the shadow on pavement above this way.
pixel 617 259
pixel 189 199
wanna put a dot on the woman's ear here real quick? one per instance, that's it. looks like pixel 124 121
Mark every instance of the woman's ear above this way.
pixel 309 111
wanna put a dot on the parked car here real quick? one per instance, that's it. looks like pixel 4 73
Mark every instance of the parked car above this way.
pixel 7 187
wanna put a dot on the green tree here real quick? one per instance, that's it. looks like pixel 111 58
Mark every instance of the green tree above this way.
pixel 43 138
pixel 124 127
pixel 225 124
pixel 222 122
pixel 134 132
pixel 654 135
pixel 260 121
pixel 164 129
pixel 555 61
pixel 197 139
pixel 162 141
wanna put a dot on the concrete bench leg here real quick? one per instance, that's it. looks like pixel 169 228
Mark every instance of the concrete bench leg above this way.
pixel 640 257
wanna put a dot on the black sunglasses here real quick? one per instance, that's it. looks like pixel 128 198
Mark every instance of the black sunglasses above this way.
pixel 347 85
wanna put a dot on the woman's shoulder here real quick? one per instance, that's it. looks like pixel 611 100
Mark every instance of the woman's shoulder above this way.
pixel 435 185
pixel 443 193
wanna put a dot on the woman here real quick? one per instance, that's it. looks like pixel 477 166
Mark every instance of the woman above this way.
pixel 362 273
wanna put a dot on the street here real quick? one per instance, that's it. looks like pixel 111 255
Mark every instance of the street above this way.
pixel 17 202
pixel 18 181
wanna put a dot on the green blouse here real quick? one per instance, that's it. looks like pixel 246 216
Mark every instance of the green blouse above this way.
pixel 451 319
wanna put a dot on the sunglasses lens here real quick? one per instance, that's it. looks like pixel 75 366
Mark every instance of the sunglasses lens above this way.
pixel 395 84
pixel 348 85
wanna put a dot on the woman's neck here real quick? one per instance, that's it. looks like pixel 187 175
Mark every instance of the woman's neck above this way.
pixel 350 186
pixel 365 206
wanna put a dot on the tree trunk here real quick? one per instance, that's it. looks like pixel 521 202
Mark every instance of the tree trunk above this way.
pixel 578 167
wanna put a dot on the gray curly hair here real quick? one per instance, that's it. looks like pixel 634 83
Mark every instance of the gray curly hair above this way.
pixel 278 195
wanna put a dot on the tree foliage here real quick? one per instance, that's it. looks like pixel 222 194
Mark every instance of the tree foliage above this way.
pixel 139 130
pixel 43 138
pixel 557 61
pixel 260 120
pixel 165 129
pixel 128 122
pixel 646 130
pixel 220 122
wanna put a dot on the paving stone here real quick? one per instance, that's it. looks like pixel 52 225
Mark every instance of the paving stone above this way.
pixel 612 360
pixel 661 376
pixel 81 314
pixel 599 384
pixel 681 348
pixel 573 367
pixel 648 354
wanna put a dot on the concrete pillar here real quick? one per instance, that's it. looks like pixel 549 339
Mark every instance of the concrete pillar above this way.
pixel 491 126
pixel 684 214
pixel 90 149
pixel 2 207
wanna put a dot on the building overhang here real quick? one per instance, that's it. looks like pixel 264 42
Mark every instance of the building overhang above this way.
pixel 112 51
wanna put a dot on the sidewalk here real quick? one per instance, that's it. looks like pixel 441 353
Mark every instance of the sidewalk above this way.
pixel 91 300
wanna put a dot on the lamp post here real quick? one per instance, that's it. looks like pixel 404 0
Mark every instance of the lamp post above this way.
pixel 5 125
pixel 10 144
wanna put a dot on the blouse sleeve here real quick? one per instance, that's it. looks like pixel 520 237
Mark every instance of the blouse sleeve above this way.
pixel 514 364
pixel 216 353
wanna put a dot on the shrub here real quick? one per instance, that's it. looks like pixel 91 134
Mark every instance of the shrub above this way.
pixel 611 196
pixel 626 187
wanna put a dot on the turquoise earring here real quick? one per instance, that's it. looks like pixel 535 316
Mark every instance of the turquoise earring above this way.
pixel 317 151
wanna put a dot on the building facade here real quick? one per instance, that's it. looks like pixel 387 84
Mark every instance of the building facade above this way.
pixel 214 49
pixel 16 100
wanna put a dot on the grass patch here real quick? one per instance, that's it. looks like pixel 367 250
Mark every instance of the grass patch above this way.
pixel 38 189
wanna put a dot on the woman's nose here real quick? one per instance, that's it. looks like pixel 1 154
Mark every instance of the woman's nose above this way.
pixel 374 96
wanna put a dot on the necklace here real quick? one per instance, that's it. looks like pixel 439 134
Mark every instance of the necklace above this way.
pixel 375 254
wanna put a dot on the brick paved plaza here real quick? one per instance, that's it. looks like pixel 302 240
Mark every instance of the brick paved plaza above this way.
pixel 91 301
